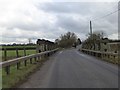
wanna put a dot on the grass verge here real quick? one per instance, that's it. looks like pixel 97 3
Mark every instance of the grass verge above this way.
pixel 18 76
pixel 12 53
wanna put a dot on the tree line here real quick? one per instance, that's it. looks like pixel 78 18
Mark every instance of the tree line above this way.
pixel 68 40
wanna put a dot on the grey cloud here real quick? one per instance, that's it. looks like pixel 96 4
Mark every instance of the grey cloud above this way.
pixel 64 12
pixel 25 26
pixel 68 23
pixel 66 7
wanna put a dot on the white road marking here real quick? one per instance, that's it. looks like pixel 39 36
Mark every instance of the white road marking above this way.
pixel 81 54
pixel 61 52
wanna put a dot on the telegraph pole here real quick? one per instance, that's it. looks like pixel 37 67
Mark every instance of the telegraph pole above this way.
pixel 90 28
pixel 91 34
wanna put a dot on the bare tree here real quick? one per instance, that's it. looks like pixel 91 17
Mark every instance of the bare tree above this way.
pixel 67 40
pixel 93 39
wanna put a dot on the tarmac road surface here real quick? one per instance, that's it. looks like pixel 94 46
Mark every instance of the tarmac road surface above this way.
pixel 73 69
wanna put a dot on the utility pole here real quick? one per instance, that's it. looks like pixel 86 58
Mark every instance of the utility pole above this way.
pixel 90 28
pixel 91 34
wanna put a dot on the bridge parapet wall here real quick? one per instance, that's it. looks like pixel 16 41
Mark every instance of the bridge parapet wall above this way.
pixel 44 45
pixel 107 56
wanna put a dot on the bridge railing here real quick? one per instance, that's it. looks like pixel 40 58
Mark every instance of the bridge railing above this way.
pixel 17 61
pixel 108 56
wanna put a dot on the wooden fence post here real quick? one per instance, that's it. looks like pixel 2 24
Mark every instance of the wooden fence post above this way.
pixel 35 59
pixel 30 60
pixel 25 62
pixel 5 54
pixel 24 51
pixel 7 69
pixel 17 55
pixel 18 65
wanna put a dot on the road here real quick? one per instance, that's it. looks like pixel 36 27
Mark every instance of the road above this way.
pixel 73 69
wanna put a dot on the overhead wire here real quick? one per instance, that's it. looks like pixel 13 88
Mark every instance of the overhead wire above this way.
pixel 95 19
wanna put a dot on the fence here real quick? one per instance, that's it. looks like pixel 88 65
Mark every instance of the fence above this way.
pixel 111 57
pixel 17 61
pixel 6 50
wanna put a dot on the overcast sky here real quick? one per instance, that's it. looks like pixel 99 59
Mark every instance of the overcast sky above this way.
pixel 23 19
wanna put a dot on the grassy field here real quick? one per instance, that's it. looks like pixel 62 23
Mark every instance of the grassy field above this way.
pixel 17 76
pixel 12 53
pixel 18 46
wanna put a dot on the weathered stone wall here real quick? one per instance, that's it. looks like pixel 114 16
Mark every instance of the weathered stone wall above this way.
pixel 44 45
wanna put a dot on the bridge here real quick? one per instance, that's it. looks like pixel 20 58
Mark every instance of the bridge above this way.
pixel 68 68
pixel 73 69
